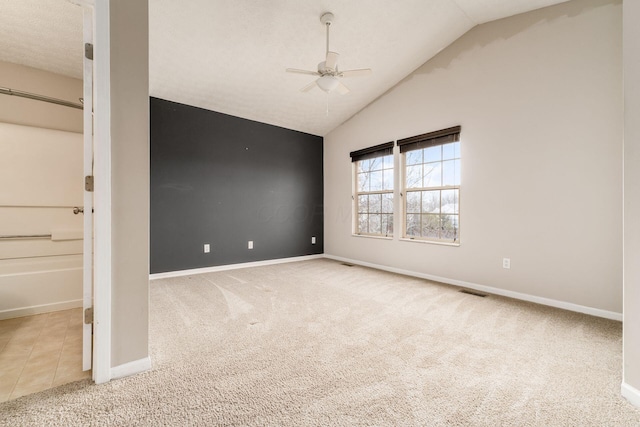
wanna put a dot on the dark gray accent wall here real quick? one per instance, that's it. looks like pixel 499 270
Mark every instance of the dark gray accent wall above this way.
pixel 224 181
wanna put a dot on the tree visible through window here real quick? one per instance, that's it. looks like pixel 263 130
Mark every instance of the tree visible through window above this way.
pixel 373 196
pixel 432 187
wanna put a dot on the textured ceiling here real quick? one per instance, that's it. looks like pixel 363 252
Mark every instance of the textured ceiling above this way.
pixel 44 34
pixel 230 56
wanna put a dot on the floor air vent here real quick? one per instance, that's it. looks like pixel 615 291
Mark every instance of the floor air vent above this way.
pixel 478 294
pixel 346 264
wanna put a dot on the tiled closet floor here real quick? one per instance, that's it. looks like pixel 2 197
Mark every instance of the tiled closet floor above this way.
pixel 39 352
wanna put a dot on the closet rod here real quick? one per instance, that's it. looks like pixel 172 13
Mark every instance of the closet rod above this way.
pixel 7 91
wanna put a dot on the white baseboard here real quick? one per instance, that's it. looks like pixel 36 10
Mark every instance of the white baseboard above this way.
pixel 631 393
pixel 488 289
pixel 39 309
pixel 130 368
pixel 231 267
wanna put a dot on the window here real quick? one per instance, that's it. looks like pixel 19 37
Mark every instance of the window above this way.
pixel 373 198
pixel 432 186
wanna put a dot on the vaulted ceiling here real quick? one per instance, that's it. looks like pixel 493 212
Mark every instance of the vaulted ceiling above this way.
pixel 231 56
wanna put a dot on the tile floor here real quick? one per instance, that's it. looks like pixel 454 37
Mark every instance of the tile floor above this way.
pixel 40 352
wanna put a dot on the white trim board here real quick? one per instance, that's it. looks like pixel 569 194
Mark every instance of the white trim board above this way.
pixel 39 309
pixel 193 271
pixel 488 289
pixel 131 368
pixel 631 393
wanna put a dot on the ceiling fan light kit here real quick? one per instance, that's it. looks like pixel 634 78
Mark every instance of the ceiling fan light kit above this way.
pixel 328 73
pixel 327 83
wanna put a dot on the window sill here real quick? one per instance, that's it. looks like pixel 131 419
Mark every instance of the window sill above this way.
pixel 373 237
pixel 432 242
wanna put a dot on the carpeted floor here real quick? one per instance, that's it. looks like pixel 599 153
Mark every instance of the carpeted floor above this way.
pixel 317 343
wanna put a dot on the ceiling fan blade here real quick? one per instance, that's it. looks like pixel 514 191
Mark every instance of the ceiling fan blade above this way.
pixel 308 87
pixel 332 60
pixel 355 73
pixel 296 71
pixel 342 89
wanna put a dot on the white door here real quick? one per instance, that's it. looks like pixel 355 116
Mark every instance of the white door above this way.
pixel 87 259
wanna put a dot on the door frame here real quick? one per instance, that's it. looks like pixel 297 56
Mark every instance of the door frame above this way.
pixel 87 166
pixel 102 188
pixel 102 194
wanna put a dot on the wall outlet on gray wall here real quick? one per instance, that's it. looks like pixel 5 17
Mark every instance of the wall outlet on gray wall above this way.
pixel 250 245
pixel 207 248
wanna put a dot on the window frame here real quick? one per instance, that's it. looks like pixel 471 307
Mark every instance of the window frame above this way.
pixel 379 151
pixel 421 142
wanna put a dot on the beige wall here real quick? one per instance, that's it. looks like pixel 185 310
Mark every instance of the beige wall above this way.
pixel 632 197
pixel 129 180
pixel 538 97
pixel 28 112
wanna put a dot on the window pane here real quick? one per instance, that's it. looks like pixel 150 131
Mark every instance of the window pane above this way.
pixel 376 163
pixel 450 201
pixel 456 147
pixel 387 162
pixel 363 182
pixel 433 174
pixel 431 202
pixel 387 179
pixel 374 224
pixel 363 165
pixel 363 204
pixel 413 157
pixel 433 154
pixel 413 225
pixel 413 202
pixel 375 203
pixel 450 227
pixel 387 225
pixel 457 180
pixel 374 208
pixel 449 172
pixel 448 151
pixel 363 223
pixel 414 176
pixel 387 203
pixel 375 179
pixel 431 226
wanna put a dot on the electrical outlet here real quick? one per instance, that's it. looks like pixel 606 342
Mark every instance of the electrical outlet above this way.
pixel 313 240
pixel 250 245
pixel 207 248
pixel 506 263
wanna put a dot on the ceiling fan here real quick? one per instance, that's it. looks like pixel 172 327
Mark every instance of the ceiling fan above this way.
pixel 328 72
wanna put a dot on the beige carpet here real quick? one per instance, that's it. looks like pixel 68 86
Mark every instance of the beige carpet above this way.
pixel 318 343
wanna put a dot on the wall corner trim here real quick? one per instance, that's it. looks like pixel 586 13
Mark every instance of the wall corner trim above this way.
pixel 491 290
pixel 631 393
pixel 131 368
pixel 193 271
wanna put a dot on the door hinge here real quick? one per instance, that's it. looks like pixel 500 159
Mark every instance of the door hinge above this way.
pixel 88 183
pixel 88 51
pixel 88 315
